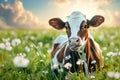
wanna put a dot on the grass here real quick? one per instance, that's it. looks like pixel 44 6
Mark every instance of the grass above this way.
pixel 40 43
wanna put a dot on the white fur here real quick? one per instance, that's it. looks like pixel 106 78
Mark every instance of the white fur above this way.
pixel 61 39
pixel 75 20
pixel 96 44
pixel 55 60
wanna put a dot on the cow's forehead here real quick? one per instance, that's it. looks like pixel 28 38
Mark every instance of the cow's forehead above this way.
pixel 76 18
pixel 76 14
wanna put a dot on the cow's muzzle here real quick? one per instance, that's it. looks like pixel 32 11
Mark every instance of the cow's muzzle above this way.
pixel 74 43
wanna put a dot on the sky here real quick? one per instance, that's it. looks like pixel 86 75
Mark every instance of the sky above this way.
pixel 22 14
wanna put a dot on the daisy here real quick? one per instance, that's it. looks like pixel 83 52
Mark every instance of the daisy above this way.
pixel 68 65
pixel 20 61
pixel 79 62
pixel 16 42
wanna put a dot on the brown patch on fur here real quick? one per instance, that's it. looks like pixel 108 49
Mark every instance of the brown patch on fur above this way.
pixel 93 54
pixel 60 56
pixel 57 23
pixel 88 52
pixel 83 34
pixel 55 48
pixel 68 30
pixel 96 53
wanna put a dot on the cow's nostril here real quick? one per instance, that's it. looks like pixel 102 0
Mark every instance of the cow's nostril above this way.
pixel 74 40
pixel 77 40
pixel 69 40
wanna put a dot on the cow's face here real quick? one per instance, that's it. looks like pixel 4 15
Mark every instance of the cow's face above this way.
pixel 76 28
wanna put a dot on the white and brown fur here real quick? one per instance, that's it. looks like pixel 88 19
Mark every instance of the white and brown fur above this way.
pixel 77 31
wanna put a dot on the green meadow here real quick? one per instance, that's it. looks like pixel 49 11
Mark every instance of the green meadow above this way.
pixel 34 46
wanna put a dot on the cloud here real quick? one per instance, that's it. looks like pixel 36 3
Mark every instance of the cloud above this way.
pixel 91 8
pixel 3 25
pixel 15 16
pixel 113 18
pixel 62 3
pixel 5 0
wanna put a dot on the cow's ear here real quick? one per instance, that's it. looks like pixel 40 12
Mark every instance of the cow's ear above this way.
pixel 96 21
pixel 57 23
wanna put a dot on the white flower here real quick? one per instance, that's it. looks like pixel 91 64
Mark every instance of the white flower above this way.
pixel 41 60
pixel 106 58
pixel 104 48
pixel 20 61
pixel 21 54
pixel 5 40
pixel 79 62
pixel 38 53
pixel 49 51
pixel 119 53
pixel 8 48
pixel 54 66
pixel 117 75
pixel 92 77
pixel 110 74
pixel 7 44
pixel 68 65
pixel 27 49
pixel 16 42
pixel 20 72
pixel 44 72
pixel 101 37
pixel 112 37
pixel 31 46
pixel 116 49
pixel 2 46
pixel 47 45
pixel 40 44
pixel 32 38
pixel 93 62
pixel 44 55
pixel 61 70
pixel 66 78
pixel 112 44
pixel 109 54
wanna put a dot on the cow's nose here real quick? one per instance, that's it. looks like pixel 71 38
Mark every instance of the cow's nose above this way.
pixel 74 40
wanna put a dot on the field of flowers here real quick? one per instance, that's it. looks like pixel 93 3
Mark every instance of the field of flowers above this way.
pixel 25 54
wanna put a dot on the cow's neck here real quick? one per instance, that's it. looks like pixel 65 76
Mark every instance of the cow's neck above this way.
pixel 88 51
pixel 78 54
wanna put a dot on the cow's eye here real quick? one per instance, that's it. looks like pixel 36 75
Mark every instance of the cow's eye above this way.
pixel 84 25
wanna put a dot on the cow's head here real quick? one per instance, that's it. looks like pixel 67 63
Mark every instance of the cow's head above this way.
pixel 76 27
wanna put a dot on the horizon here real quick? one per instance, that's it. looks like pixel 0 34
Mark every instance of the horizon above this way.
pixel 24 14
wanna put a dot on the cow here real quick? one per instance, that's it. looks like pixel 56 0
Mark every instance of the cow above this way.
pixel 77 41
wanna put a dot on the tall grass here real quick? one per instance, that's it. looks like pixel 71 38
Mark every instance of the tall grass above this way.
pixel 39 43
